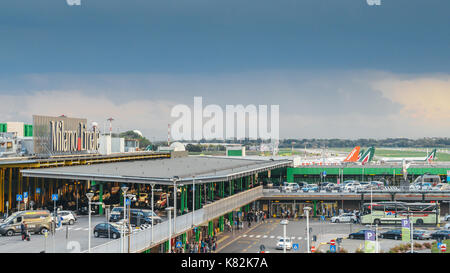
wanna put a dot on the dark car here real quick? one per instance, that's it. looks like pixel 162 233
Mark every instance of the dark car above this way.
pixel 106 230
pixel 421 235
pixel 441 234
pixel 395 234
pixel 359 235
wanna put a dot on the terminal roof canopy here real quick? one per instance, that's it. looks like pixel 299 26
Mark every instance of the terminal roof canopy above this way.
pixel 163 171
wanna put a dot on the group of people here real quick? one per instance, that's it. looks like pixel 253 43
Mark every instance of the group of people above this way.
pixel 255 216
pixel 206 245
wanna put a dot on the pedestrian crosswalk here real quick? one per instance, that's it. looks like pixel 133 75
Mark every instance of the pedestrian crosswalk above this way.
pixel 258 236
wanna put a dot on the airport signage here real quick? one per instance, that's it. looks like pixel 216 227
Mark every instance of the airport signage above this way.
pixel 332 248
pixel 369 244
pixel 64 135
pixel 406 231
pixel 63 140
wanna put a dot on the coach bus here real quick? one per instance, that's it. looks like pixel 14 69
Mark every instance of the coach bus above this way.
pixel 393 212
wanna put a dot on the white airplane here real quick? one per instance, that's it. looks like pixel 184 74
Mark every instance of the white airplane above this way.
pixel 430 157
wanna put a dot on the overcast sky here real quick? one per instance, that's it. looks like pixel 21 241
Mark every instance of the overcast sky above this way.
pixel 337 68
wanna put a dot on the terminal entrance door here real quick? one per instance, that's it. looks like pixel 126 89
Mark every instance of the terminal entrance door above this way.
pixel 288 209
pixel 295 209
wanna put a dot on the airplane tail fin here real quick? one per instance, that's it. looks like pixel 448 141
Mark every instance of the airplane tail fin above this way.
pixel 367 156
pixel 431 156
pixel 360 154
pixel 353 155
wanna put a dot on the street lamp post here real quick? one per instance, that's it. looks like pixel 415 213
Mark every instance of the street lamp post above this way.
pixel 124 190
pixel 175 179
pixel 306 210
pixel 89 195
pixel 193 199
pixel 153 211
pixel 128 222
pixel 169 211
pixel 284 223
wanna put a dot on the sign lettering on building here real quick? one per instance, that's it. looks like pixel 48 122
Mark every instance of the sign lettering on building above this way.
pixel 72 140
pixel 63 135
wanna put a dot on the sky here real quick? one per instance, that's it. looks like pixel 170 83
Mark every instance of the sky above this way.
pixel 336 68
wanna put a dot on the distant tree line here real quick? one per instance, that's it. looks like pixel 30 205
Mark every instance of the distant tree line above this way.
pixel 343 143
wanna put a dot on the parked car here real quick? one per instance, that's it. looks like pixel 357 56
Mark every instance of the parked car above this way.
pixel 447 217
pixel 302 184
pixel 358 235
pixel 426 187
pixel 288 187
pixel 441 187
pixel 107 230
pixel 284 242
pixel 395 234
pixel 364 185
pixel 149 213
pixel 332 187
pixel 441 234
pixel 421 235
pixel 344 218
pixel 68 217
pixel 352 186
pixel 310 188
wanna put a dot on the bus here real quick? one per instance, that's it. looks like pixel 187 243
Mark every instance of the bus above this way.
pixel 393 212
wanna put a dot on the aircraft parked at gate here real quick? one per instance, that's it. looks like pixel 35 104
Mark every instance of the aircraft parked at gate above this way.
pixel 356 156
pixel 430 157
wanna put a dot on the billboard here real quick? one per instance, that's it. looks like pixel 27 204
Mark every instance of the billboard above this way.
pixel 63 135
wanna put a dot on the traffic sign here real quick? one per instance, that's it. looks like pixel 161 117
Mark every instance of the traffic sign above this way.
pixel 25 195
pixel 128 202
pixel 443 247
pixel 54 197
pixel 324 173
pixel 295 246
pixel 178 244
pixel 332 248
pixel 38 190
pixel 313 249
pixel 332 242
pixel 19 198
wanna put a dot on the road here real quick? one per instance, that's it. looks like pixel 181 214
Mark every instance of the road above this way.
pixel 76 240
pixel 268 233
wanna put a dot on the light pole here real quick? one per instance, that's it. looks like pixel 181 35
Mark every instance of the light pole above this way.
pixel 124 190
pixel 153 211
pixel 175 179
pixel 89 195
pixel 169 211
pixel 306 210
pixel 284 223
pixel 193 199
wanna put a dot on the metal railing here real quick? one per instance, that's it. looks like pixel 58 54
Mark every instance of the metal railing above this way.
pixel 140 240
